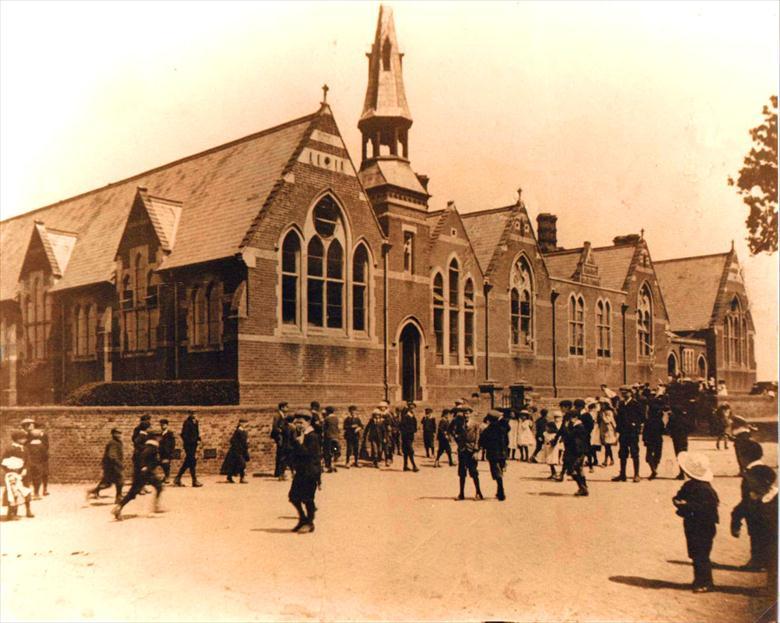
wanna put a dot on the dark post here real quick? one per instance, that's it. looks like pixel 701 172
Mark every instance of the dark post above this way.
pixel 623 310
pixel 175 329
pixel 486 288
pixel 386 246
pixel 554 297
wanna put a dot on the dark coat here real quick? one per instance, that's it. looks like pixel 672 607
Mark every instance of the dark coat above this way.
pixel 492 440
pixel 352 427
pixel 36 452
pixel 113 460
pixel 149 458
pixel 678 429
pixel 697 503
pixel 375 430
pixel 653 432
pixel 190 434
pixel 629 420
pixel 167 445
pixel 443 429
pixel 428 426
pixel 331 427
pixel 278 427
pixel 408 426
pixel 744 446
pixel 306 455
pixel 237 455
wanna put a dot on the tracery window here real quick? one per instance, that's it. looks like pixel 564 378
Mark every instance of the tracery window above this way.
pixel 576 325
pixel 454 312
pixel 644 322
pixel 604 329
pixel 468 322
pixel 521 304
pixel 37 319
pixel 360 289
pixel 438 316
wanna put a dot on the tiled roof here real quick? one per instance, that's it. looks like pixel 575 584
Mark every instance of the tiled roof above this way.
pixel 395 172
pixel 165 216
pixel 221 192
pixel 680 279
pixel 485 229
pixel 614 263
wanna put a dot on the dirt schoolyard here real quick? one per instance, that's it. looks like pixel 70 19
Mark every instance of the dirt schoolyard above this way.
pixel 388 545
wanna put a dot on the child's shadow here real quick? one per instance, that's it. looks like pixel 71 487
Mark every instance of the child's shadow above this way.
pixel 552 494
pixel 274 530
pixel 632 580
pixel 102 503
pixel 716 565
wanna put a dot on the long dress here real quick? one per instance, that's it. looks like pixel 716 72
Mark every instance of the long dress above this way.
pixel 550 452
pixel 13 463
pixel 526 436
pixel 514 434
pixel 238 454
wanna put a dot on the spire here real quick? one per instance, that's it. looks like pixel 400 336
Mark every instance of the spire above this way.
pixel 386 119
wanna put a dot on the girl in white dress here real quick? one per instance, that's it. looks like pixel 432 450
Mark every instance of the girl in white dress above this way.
pixel 526 436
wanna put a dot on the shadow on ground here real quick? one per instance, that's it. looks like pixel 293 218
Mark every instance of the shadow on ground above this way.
pixel 632 580
pixel 718 566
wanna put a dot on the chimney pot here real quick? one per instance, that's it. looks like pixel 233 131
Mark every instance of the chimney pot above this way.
pixel 547 232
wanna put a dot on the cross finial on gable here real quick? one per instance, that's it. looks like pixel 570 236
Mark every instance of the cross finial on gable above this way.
pixel 519 195
pixel 325 89
pixel 642 234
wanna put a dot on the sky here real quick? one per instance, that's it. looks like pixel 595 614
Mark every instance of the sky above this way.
pixel 614 116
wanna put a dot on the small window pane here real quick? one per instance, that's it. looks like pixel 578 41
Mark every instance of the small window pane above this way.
pixel 315 293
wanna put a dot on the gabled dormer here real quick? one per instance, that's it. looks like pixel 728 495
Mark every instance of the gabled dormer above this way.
pixel 587 271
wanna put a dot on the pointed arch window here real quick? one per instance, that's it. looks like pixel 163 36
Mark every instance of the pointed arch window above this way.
pixel 735 335
pixel 315 282
pixel 468 322
pixel 199 316
pixel 644 321
pixel 360 289
pixel 604 329
pixel 454 312
pixel 576 325
pixel 438 316
pixel 335 286
pixel 521 298
pixel 291 275
pixel 214 309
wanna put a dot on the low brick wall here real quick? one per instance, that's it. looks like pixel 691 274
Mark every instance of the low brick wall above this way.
pixel 752 407
pixel 78 435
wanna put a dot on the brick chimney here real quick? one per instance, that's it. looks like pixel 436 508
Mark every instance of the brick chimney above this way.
pixel 547 232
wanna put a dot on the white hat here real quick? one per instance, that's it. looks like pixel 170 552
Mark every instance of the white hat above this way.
pixel 697 466
pixel 384 403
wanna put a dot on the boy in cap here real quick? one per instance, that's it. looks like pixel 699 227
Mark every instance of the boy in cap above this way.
pixel 466 433
pixel 113 467
pixel 146 474
pixel 375 436
pixel 697 503
pixel 190 436
pixel 492 440
pixel 331 433
pixel 407 429
pixel 306 458
pixel 746 509
pixel 443 437
pixel 167 447
pixel 15 493
pixel 237 455
pixel 353 427
pixel 428 424
pixel 762 484
pixel 629 420
pixel 35 460
pixel 278 429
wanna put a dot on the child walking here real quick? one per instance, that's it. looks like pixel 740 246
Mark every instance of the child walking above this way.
pixel 697 503
pixel 550 450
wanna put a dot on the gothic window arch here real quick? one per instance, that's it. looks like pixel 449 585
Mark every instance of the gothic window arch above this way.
pixel 644 321
pixel 468 321
pixel 604 328
pixel 576 325
pixel 214 311
pixel 360 289
pixel 522 304
pixel 438 316
pixel 453 301
pixel 291 278
pixel 37 319
pixel 735 335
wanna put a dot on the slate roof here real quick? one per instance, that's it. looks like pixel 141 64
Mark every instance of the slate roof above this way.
pixel 221 191
pixel 485 229
pixel 395 172
pixel 165 216
pixel 613 261
pixel 385 94
pixel 679 278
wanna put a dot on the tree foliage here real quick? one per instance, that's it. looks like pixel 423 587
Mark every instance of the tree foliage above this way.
pixel 757 183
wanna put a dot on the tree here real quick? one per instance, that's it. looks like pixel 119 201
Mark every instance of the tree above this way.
pixel 757 183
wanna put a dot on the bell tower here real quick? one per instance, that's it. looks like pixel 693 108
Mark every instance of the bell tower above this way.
pixel 384 126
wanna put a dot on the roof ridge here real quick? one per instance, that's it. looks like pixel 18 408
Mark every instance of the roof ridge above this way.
pixel 691 257
pixel 486 211
pixel 249 137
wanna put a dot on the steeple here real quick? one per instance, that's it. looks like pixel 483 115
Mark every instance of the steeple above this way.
pixel 386 119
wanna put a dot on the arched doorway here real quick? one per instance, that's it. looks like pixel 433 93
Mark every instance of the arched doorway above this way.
pixel 409 359
pixel 671 365
pixel 701 364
